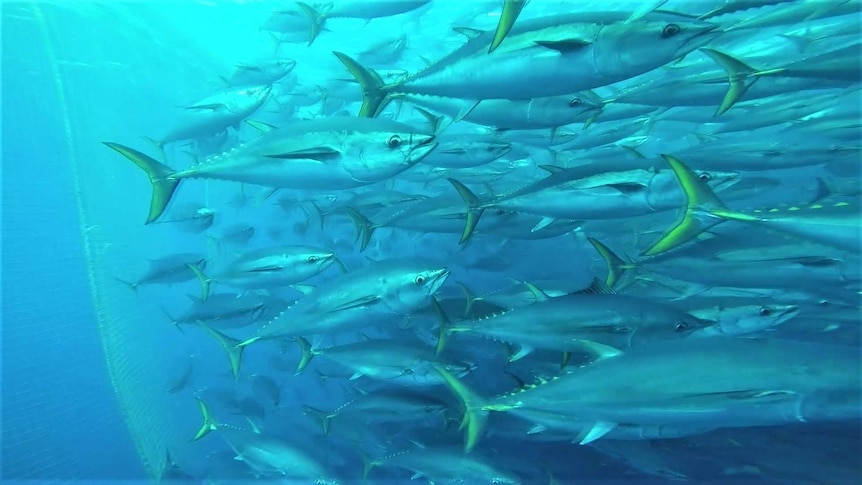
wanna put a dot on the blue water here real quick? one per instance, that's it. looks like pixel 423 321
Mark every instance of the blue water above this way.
pixel 76 75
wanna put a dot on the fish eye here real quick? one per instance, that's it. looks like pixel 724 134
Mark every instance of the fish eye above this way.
pixel 681 327
pixel 312 259
pixel 765 312
pixel 419 280
pixel 428 409
pixel 575 102
pixel 670 30
pixel 705 177
pixel 394 141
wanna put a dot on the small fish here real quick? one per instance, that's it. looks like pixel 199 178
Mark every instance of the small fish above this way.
pixel 215 113
pixel 169 269
pixel 271 267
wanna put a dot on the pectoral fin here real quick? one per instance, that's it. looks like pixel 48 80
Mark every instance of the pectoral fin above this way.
pixel 363 301
pixel 322 154
pixel 214 106
pixel 598 430
pixel 628 188
pixel 565 46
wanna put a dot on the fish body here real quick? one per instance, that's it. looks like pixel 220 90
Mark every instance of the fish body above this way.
pixel 265 455
pixel 271 267
pixel 215 113
pixel 385 405
pixel 466 150
pixel 261 73
pixel 319 13
pixel 545 57
pixel 224 310
pixel 335 153
pixel 563 323
pixel 169 269
pixel 514 114
pixel 442 465
pixel 391 287
pixel 581 193
pixel 406 362
pixel 735 383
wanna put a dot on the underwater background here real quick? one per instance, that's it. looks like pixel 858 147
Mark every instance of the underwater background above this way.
pixel 105 376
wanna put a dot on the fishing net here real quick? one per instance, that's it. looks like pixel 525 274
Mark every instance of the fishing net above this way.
pixel 83 366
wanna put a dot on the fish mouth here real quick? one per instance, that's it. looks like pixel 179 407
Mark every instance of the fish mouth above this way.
pixel 786 312
pixel 438 277
pixel 706 33
pixel 427 141
pixel 422 149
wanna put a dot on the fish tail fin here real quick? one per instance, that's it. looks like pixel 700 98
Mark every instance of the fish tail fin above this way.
pixel 324 417
pixel 307 354
pixel 740 77
pixel 276 43
pixel 173 320
pixel 321 216
pixel 703 210
pixel 475 413
pixel 469 296
pixel 318 20
pixel 364 227
pixel 160 177
pixel 206 281
pixel 233 347
pixel 444 324
pixel 617 268
pixel 214 243
pixel 133 286
pixel 209 423
pixel 367 464
pixel 375 95
pixel 474 209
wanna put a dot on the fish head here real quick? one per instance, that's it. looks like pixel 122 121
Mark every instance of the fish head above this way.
pixel 459 152
pixel 717 180
pixel 306 262
pixel 407 286
pixel 755 318
pixel 686 324
pixel 459 369
pixel 286 65
pixel 627 49
pixel 565 109
pixel 252 96
pixel 385 150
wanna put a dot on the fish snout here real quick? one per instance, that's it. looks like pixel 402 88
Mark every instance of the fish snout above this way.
pixel 424 145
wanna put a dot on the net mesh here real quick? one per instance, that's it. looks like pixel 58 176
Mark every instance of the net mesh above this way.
pixel 67 322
